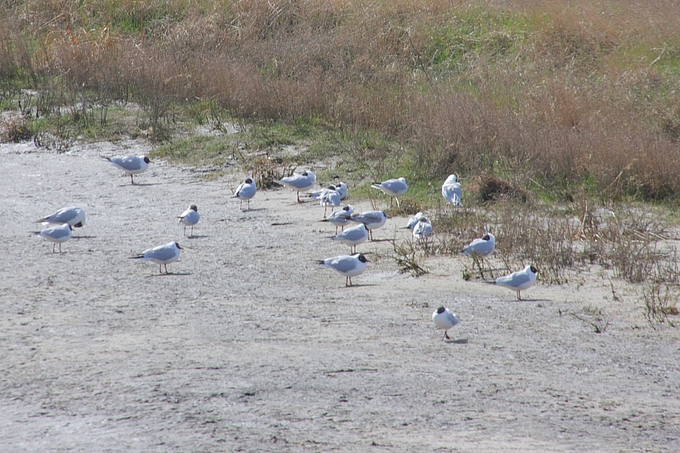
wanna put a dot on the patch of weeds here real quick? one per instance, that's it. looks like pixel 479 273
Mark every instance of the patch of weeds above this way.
pixel 660 303
pixel 406 208
pixel 268 134
pixel 480 263
pixel 417 304
pixel 266 170
pixel 217 117
pixel 198 151
pixel 59 135
pixel 16 129
pixel 595 317
pixel 406 257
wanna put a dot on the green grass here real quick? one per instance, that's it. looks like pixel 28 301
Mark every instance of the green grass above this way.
pixel 198 151
pixel 473 33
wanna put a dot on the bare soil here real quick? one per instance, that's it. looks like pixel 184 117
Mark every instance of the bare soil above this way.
pixel 249 345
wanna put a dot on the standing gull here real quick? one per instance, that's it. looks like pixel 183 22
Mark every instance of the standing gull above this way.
pixel 245 191
pixel 519 281
pixel 299 183
pixel 340 217
pixel 57 235
pixel 190 217
pixel 347 265
pixel 451 191
pixel 353 237
pixel 480 248
pixel 330 198
pixel 372 220
pixel 131 164
pixel 161 255
pixel 392 187
pixel 444 319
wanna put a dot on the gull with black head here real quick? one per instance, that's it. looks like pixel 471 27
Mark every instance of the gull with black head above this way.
pixel 245 191
pixel 161 255
pixel 190 217
pixel 347 265
pixel 130 164
pixel 444 319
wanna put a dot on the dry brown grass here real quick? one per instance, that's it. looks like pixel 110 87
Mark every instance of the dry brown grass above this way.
pixel 630 242
pixel 561 93
pixel 493 188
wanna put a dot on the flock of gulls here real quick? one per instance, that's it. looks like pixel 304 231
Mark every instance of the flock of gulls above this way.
pixel 360 226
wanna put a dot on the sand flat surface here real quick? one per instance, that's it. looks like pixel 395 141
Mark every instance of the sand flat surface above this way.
pixel 250 346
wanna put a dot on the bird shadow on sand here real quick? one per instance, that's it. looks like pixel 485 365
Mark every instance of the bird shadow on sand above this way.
pixel 253 210
pixel 197 236
pixel 457 341
pixel 142 184
pixel 532 300
pixel 83 237
pixel 360 285
pixel 170 274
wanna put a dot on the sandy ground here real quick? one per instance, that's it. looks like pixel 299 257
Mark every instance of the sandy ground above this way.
pixel 251 346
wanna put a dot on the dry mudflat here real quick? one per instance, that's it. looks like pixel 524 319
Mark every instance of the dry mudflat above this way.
pixel 249 345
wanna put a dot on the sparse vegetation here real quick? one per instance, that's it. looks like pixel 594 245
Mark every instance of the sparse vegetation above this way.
pixel 408 258
pixel 660 303
pixel 595 317
pixel 553 106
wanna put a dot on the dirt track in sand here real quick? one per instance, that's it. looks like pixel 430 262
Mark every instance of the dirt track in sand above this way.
pixel 251 346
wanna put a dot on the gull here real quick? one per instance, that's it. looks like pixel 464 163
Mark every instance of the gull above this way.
pixel 340 217
pixel 341 188
pixel 299 183
pixel 372 220
pixel 161 255
pixel 414 220
pixel 245 191
pixel 131 164
pixel 347 265
pixel 392 187
pixel 190 217
pixel 451 191
pixel 317 194
pixel 481 247
pixel 329 198
pixel 353 237
pixel 519 280
pixel 73 215
pixel 444 319
pixel 422 230
pixel 57 235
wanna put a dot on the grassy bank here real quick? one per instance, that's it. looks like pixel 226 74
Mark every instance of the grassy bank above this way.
pixel 570 96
